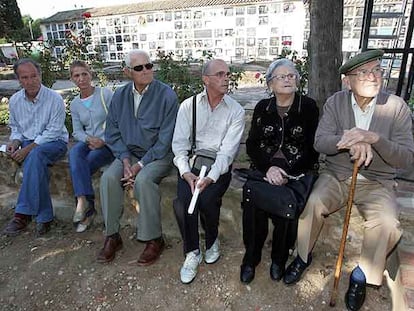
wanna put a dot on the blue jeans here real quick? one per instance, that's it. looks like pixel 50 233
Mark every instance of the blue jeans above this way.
pixel 34 196
pixel 84 162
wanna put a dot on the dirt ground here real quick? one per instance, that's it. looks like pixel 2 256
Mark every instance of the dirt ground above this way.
pixel 59 272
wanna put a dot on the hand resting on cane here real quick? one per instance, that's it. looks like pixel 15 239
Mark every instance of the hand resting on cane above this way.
pixel 359 142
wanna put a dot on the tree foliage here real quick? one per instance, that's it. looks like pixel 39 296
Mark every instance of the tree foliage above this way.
pixel 10 19
pixel 30 27
pixel 184 76
pixel 179 75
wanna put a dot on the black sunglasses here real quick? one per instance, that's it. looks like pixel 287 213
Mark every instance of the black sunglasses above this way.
pixel 139 68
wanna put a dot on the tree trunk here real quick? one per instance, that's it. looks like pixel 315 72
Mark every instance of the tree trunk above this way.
pixel 325 48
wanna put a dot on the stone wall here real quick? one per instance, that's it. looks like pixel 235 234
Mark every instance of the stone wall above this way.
pixel 64 202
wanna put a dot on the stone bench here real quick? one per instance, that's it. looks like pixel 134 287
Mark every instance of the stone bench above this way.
pixel 64 202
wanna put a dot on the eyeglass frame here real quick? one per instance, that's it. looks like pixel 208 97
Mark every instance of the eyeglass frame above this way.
pixel 363 74
pixel 139 68
pixel 220 74
pixel 282 77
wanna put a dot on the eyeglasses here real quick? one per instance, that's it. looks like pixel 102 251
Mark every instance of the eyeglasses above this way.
pixel 220 74
pixel 139 68
pixel 363 74
pixel 290 76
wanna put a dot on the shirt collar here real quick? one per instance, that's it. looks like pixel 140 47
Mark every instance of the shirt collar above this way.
pixel 36 99
pixel 368 107
pixel 134 90
pixel 225 98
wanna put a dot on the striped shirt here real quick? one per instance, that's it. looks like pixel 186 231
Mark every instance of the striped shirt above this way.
pixel 41 120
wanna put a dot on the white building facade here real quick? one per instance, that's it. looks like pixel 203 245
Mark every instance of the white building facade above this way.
pixel 235 30
pixel 232 30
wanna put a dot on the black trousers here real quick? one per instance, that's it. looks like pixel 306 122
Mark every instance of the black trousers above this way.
pixel 255 230
pixel 207 207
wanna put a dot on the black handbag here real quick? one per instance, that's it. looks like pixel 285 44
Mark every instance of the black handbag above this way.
pixel 286 201
pixel 200 157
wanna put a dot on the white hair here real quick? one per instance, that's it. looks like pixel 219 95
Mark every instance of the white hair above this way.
pixel 135 52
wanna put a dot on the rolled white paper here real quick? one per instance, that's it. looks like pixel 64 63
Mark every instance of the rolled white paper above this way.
pixel 197 190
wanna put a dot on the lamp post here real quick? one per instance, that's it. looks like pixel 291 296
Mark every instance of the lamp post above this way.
pixel 30 28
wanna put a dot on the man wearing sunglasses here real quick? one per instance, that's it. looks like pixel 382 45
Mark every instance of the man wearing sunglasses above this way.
pixel 139 129
pixel 367 125
pixel 219 128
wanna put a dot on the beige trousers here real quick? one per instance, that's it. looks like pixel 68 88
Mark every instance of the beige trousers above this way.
pixel 375 203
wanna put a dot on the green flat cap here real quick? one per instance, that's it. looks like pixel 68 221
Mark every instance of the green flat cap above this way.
pixel 360 59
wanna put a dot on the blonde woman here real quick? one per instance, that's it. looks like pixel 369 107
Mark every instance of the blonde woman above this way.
pixel 88 110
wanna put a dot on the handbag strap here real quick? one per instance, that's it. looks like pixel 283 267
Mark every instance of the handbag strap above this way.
pixel 104 107
pixel 193 132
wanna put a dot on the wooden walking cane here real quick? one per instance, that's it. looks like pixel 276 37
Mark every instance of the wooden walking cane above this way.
pixel 338 267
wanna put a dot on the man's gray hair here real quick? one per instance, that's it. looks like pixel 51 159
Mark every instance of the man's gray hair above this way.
pixel 206 66
pixel 281 62
pixel 23 61
pixel 134 52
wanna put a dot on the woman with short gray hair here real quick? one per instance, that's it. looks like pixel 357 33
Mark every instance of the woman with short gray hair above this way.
pixel 280 147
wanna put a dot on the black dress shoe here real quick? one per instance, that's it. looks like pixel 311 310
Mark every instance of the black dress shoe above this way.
pixel 16 226
pixel 246 274
pixel 276 271
pixel 295 270
pixel 355 296
pixel 42 228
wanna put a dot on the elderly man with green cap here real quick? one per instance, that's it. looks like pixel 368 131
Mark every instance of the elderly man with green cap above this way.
pixel 364 124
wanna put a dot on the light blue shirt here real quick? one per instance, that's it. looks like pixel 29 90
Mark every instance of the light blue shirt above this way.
pixel 90 121
pixel 41 120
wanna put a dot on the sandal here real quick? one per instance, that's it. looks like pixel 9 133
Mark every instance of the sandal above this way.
pixel 79 215
pixel 87 222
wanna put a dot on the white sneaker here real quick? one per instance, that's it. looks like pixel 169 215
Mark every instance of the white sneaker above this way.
pixel 190 267
pixel 213 253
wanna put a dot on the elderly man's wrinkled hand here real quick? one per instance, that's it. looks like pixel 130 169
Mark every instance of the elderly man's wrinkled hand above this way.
pixel 361 152
pixel 191 180
pixel 20 154
pixel 10 149
pixel 128 179
pixel 204 183
pixel 356 135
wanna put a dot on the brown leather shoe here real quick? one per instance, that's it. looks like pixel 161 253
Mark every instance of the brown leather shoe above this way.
pixel 111 246
pixel 16 226
pixel 152 252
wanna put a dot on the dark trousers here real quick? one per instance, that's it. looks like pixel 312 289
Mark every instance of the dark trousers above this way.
pixel 255 230
pixel 208 207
